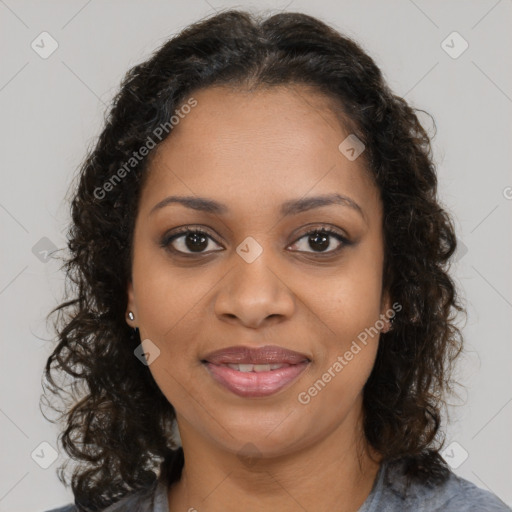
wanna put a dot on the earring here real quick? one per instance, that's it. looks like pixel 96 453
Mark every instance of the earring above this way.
pixel 131 316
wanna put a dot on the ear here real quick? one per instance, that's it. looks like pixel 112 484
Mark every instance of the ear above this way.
pixel 131 306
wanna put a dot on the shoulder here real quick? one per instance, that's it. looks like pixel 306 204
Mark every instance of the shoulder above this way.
pixel 455 494
pixel 151 499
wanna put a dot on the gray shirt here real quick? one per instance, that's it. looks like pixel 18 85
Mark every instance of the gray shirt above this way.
pixel 389 494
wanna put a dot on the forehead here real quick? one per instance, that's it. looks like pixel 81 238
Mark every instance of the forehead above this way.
pixel 258 147
pixel 290 117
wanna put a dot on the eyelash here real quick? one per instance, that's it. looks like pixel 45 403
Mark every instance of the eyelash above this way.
pixel 168 239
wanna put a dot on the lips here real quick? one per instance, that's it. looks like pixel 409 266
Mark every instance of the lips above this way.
pixel 255 372
pixel 269 354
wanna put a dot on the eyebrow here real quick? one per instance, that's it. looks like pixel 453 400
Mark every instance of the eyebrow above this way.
pixel 288 208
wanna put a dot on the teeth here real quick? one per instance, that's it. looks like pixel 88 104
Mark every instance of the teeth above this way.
pixel 261 367
pixel 256 367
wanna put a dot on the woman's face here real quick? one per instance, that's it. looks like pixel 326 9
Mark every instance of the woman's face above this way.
pixel 255 278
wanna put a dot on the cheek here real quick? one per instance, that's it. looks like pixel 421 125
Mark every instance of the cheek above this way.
pixel 348 307
pixel 167 298
pixel 350 300
pixel 168 307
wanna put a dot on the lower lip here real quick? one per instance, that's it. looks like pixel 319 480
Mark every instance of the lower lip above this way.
pixel 255 384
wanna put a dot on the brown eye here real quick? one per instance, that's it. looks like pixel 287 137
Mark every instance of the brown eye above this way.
pixel 188 241
pixel 320 240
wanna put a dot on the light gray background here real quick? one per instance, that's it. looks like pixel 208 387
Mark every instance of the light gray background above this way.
pixel 52 110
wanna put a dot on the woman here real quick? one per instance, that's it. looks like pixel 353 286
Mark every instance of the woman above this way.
pixel 262 316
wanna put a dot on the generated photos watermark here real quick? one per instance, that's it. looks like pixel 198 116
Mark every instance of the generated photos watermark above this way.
pixel 304 397
pixel 137 156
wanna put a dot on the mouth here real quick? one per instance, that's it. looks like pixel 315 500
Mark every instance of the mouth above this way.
pixel 259 372
pixel 258 368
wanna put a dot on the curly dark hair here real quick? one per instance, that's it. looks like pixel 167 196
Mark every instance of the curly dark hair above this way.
pixel 117 423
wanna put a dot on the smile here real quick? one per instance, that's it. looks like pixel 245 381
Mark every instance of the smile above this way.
pixel 255 372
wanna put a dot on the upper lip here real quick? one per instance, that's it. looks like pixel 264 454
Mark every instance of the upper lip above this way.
pixel 269 354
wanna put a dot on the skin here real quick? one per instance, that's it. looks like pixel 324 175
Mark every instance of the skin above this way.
pixel 251 152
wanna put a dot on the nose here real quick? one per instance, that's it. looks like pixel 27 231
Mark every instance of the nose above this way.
pixel 254 294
